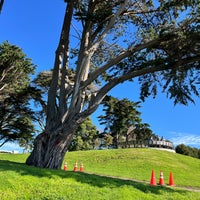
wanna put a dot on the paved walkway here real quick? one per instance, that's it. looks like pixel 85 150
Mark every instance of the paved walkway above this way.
pixel 188 188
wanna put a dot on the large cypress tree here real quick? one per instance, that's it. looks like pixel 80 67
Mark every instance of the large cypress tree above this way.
pixel 119 40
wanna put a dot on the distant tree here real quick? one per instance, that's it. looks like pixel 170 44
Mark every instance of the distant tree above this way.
pixel 85 136
pixel 16 116
pixel 108 139
pixel 15 70
pixel 26 145
pixel 187 150
pixel 143 132
pixel 182 149
pixel 195 152
pixel 119 116
pixel 156 42
pixel 16 119
pixel 41 83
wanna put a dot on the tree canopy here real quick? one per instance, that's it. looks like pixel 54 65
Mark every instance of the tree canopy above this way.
pixel 188 151
pixel 16 116
pixel 119 116
pixel 106 43
pixel 122 120
pixel 15 70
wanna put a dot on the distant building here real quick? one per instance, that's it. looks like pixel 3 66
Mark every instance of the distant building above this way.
pixel 5 151
pixel 162 143
pixel 15 152
pixel 132 142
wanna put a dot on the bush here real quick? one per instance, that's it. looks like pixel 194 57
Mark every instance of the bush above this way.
pixel 188 151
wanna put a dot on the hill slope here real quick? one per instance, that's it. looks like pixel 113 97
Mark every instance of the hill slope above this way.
pixel 138 163
pixel 19 181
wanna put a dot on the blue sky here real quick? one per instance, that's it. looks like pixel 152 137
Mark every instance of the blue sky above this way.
pixel 35 27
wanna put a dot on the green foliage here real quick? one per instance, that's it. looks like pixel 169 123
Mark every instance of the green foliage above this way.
pixel 120 117
pixel 119 114
pixel 85 136
pixel 187 150
pixel 100 11
pixel 176 25
pixel 143 132
pixel 180 54
pixel 15 69
pixel 16 117
pixel 43 80
pixel 108 139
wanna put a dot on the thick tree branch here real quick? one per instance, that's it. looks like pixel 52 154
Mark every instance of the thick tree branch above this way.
pixel 83 65
pixel 133 74
pixel 119 58
pixel 1 5
pixel 87 49
pixel 65 55
pixel 4 142
pixel 51 105
pixel 110 24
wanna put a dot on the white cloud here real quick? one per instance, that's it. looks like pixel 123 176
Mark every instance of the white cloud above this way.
pixel 185 138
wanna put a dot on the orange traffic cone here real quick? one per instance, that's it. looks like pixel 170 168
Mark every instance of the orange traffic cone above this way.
pixel 161 182
pixel 75 167
pixel 171 180
pixel 153 178
pixel 65 166
pixel 81 168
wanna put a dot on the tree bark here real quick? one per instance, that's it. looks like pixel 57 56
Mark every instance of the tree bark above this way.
pixel 49 150
pixel 1 5
pixel 51 145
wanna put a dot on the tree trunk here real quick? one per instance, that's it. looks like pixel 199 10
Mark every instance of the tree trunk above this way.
pixel 51 145
pixel 127 142
pixel 49 150
pixel 1 5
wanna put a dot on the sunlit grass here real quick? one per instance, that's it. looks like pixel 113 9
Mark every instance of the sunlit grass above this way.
pixel 138 164
pixel 19 181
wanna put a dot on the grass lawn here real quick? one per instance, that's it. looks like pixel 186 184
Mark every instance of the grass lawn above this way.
pixel 138 163
pixel 18 181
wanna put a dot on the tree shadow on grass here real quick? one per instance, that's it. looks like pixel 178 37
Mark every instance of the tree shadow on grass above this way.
pixel 90 179
pixel 112 182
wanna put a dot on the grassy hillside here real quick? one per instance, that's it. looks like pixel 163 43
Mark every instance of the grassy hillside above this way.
pixel 138 164
pixel 18 181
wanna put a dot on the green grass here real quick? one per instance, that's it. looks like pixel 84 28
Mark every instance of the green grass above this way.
pixel 18 181
pixel 138 164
